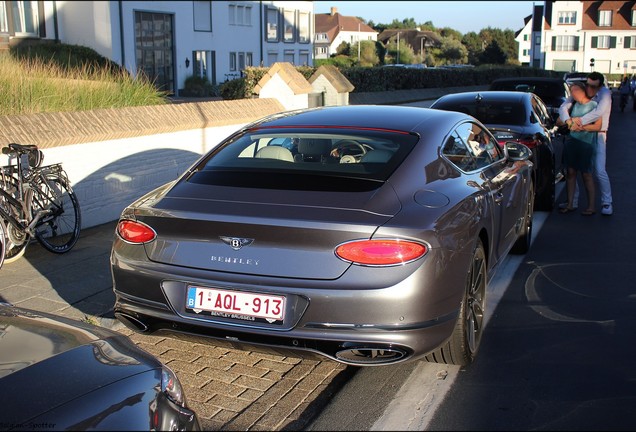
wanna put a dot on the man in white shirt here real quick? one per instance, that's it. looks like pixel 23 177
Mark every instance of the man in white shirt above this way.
pixel 598 92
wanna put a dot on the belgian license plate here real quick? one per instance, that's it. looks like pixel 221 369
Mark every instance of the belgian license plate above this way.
pixel 239 305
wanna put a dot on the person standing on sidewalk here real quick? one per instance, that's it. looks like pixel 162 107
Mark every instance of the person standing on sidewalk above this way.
pixel 598 92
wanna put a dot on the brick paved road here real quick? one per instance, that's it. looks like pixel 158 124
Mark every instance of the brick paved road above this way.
pixel 229 389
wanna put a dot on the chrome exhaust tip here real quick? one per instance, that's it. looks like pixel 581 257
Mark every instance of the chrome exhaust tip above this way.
pixel 131 322
pixel 365 356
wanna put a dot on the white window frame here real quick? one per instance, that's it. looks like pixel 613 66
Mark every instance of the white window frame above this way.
pixel 566 43
pixel 233 61
pixel 249 59
pixel 202 16
pixel 304 27
pixel 633 17
pixel 603 42
pixel 604 18
pixel 4 23
pixel 272 18
pixel 567 17
pixel 289 27
pixel 24 14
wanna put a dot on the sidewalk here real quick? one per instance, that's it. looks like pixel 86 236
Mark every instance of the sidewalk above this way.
pixel 229 389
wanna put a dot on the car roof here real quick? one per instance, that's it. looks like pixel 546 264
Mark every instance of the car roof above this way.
pixel 490 95
pixel 528 79
pixel 391 117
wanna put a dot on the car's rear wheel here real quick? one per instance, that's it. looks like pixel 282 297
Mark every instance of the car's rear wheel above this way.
pixel 522 245
pixel 462 346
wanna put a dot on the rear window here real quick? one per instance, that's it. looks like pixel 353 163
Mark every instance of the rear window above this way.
pixel 489 112
pixel 306 159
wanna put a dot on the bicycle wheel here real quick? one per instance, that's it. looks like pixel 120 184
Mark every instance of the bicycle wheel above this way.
pixel 16 240
pixel 55 202
pixel 3 241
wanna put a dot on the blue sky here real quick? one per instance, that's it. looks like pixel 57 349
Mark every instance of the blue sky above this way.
pixel 465 16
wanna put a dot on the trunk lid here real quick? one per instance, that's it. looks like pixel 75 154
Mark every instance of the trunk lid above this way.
pixel 263 232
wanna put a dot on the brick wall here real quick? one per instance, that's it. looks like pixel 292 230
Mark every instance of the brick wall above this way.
pixel 114 156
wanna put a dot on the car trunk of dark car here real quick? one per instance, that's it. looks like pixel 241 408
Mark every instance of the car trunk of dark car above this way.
pixel 263 231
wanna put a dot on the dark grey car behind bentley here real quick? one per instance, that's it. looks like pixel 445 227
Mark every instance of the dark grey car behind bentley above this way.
pixel 366 234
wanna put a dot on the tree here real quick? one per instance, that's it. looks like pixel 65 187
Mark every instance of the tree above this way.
pixel 493 54
pixel 343 49
pixel 450 33
pixel 368 53
pixel 452 51
pixel 473 44
pixel 399 55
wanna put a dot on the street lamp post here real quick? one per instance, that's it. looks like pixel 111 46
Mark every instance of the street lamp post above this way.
pixel 398 48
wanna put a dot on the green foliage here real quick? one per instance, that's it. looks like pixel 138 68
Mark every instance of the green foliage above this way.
pixel 368 53
pixel 196 86
pixel 493 54
pixel 343 49
pixel 30 85
pixel 65 56
pixel 452 51
pixel 402 54
pixel 339 61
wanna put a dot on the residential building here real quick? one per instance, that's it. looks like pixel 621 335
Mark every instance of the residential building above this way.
pixel 589 36
pixel 417 39
pixel 529 38
pixel 333 29
pixel 171 40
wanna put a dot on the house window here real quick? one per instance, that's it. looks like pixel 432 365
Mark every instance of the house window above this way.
pixel 603 42
pixel 272 25
pixel 303 27
pixel 537 40
pixel 272 57
pixel 321 50
pixel 200 64
pixel 630 42
pixel 567 17
pixel 240 15
pixel 321 36
pixel 25 18
pixel 289 17
pixel 525 37
pixel 249 59
pixel 525 52
pixel 565 43
pixel 203 16
pixel 233 61
pixel 304 58
pixel 633 17
pixel 241 61
pixel 605 18
pixel 4 25
pixel 289 56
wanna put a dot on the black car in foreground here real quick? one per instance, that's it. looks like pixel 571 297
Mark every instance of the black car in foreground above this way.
pixel 521 117
pixel 552 91
pixel 62 374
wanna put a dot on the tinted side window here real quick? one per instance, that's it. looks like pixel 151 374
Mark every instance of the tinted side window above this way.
pixel 480 143
pixel 456 151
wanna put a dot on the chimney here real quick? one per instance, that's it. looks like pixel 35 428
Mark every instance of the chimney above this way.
pixel 334 10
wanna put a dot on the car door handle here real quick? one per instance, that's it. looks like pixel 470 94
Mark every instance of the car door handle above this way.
pixel 499 197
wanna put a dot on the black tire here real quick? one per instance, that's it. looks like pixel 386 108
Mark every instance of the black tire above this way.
pixel 56 232
pixel 463 344
pixel 16 240
pixel 522 245
pixel 3 241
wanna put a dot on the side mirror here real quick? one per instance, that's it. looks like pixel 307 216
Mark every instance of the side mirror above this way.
pixel 515 151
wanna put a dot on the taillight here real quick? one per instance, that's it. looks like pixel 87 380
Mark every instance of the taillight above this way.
pixel 384 252
pixel 135 232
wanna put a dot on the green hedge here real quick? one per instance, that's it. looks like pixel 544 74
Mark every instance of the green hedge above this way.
pixel 377 79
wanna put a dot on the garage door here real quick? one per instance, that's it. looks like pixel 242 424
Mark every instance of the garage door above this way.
pixel 564 65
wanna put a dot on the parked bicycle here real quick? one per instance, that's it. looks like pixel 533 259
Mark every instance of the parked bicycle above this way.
pixel 35 202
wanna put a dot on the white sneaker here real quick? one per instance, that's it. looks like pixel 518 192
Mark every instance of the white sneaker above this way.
pixel 607 209
pixel 565 205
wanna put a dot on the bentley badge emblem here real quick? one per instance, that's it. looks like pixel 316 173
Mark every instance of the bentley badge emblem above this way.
pixel 236 243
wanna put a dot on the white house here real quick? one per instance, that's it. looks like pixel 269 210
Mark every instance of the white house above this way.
pixel 588 36
pixel 171 40
pixel 332 29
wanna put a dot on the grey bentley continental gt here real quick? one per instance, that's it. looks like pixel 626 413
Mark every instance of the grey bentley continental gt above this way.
pixel 366 234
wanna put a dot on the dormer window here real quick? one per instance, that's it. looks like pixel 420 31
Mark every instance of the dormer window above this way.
pixel 605 18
